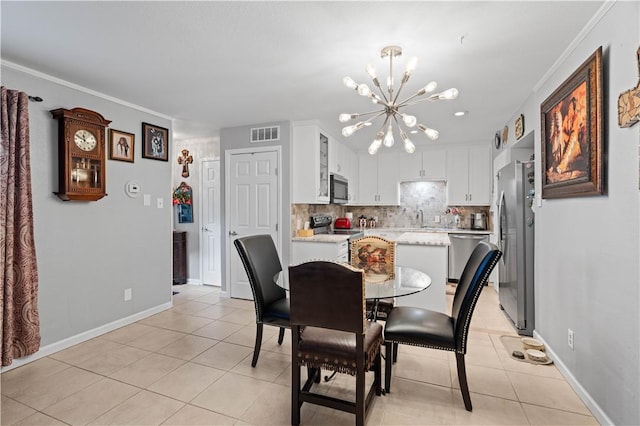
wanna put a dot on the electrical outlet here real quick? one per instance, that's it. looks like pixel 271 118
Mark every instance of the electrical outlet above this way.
pixel 128 294
pixel 570 338
pixel 147 200
pixel 436 218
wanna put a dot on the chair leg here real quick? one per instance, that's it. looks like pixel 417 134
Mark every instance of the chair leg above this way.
pixel 378 373
pixel 361 397
pixel 462 379
pixel 388 365
pixel 295 393
pixel 395 352
pixel 281 335
pixel 256 349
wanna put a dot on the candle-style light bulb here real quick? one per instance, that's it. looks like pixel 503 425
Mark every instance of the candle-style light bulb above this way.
pixel 408 145
pixel 409 120
pixel 377 142
pixel 388 138
pixel 348 81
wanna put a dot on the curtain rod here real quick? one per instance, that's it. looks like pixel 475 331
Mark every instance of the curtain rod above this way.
pixel 35 98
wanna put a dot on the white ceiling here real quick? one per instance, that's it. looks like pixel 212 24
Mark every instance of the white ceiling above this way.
pixel 211 65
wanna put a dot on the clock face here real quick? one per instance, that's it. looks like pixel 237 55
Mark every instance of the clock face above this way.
pixel 85 140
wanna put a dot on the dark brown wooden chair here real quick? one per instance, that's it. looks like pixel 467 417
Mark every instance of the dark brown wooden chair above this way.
pixel 329 331
pixel 261 262
pixel 431 329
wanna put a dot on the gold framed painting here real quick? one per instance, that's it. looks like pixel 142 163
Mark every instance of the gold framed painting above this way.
pixel 572 134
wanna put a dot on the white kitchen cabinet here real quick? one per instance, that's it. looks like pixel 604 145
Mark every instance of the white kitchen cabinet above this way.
pixel 378 175
pixel 310 165
pixel 469 176
pixel 339 158
pixel 430 164
pixel 304 251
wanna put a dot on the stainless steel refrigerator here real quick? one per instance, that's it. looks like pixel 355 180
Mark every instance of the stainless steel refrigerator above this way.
pixel 516 224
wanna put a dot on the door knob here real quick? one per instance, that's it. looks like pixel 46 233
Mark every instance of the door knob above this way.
pixel 233 233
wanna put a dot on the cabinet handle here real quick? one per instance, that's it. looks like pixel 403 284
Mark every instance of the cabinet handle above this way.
pixel 469 197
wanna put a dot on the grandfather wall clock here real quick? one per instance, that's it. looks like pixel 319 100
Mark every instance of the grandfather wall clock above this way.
pixel 81 154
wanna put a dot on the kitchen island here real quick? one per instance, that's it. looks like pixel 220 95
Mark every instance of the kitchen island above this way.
pixel 427 252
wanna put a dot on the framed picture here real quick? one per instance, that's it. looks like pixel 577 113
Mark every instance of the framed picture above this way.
pixel 121 145
pixel 155 141
pixel 185 213
pixel 572 134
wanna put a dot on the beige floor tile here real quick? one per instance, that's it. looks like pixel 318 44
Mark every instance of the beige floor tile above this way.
pixel 109 362
pixel 489 410
pixel 423 352
pixel 269 408
pixel 246 336
pixel 241 316
pixel 223 356
pixel 148 370
pixel 211 298
pixel 485 380
pixel 48 390
pixel 156 339
pixel 482 355
pixel 218 330
pixel 127 333
pixel 411 402
pixel 190 307
pixel 233 394
pixel 190 415
pixel 86 350
pixel 38 419
pixel 270 365
pixel 13 411
pixel 548 416
pixel 30 375
pixel 187 347
pixel 237 303
pixel 423 369
pixel 215 312
pixel 176 321
pixel 547 392
pixel 93 401
pixel 144 408
pixel 187 381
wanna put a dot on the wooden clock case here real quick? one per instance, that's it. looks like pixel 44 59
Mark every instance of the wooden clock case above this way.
pixel 81 172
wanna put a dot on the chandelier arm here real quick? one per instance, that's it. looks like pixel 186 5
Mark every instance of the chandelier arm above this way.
pixel 375 116
pixel 378 111
pixel 417 101
pixel 406 101
pixel 384 97
pixel 402 83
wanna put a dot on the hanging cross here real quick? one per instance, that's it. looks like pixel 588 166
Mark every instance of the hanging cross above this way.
pixel 629 104
pixel 185 159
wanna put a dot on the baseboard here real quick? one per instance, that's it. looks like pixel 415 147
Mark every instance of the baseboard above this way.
pixel 591 404
pixel 84 336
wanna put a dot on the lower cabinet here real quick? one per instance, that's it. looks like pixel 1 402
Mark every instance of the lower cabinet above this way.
pixel 179 257
pixel 432 260
pixel 304 251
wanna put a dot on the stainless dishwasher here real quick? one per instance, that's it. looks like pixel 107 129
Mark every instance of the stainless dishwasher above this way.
pixel 461 247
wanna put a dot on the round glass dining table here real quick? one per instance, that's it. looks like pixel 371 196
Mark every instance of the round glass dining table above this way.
pixel 403 281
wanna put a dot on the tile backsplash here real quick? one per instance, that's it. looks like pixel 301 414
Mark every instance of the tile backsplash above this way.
pixel 420 204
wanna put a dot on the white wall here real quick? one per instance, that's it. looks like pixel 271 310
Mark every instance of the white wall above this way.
pixel 587 249
pixel 90 252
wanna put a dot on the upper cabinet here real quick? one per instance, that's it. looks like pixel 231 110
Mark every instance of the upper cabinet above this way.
pixel 378 176
pixel 428 164
pixel 310 165
pixel 469 176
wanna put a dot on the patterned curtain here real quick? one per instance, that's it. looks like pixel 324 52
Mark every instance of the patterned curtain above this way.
pixel 20 332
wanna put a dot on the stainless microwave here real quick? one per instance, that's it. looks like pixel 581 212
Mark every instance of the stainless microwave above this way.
pixel 339 189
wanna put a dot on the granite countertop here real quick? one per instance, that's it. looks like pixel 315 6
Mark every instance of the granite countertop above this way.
pixel 435 230
pixel 323 238
pixel 424 238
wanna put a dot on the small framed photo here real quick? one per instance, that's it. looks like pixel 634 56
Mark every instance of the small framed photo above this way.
pixel 121 145
pixel 573 134
pixel 155 141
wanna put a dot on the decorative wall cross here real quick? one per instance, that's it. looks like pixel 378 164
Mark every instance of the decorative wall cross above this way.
pixel 629 103
pixel 185 159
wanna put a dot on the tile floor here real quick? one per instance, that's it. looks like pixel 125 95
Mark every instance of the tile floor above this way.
pixel 190 365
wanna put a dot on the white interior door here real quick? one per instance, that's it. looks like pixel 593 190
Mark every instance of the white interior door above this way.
pixel 252 199
pixel 210 244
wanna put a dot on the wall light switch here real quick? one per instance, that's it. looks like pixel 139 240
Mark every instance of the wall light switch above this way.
pixel 160 203
pixel 436 219
pixel 147 200
pixel 128 294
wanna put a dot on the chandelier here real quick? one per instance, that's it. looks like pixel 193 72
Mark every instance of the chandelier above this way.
pixel 391 106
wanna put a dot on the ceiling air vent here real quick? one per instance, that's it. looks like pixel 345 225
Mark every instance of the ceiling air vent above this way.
pixel 265 134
